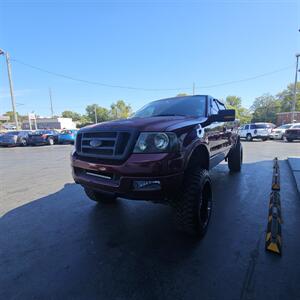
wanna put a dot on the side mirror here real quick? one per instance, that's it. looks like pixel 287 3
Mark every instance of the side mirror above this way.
pixel 225 115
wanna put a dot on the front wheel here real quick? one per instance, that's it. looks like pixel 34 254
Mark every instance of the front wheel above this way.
pixel 289 140
pixel 23 142
pixel 235 157
pixel 99 197
pixel 193 206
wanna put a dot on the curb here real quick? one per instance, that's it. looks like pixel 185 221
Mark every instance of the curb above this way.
pixel 294 163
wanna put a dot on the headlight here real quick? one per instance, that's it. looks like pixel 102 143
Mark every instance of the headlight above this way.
pixel 156 142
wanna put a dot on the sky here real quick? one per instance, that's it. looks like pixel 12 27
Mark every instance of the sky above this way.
pixel 156 48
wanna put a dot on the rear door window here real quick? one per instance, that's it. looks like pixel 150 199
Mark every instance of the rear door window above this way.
pixel 261 126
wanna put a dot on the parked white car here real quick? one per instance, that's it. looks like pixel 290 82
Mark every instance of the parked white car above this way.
pixel 278 132
pixel 256 131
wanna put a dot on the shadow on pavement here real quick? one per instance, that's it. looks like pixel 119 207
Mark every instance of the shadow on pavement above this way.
pixel 63 246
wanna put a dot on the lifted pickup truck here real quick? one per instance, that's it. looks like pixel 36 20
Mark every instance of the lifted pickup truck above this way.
pixel 163 153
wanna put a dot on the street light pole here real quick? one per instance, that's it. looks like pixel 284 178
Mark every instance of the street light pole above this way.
pixel 13 103
pixel 95 107
pixel 51 104
pixel 295 89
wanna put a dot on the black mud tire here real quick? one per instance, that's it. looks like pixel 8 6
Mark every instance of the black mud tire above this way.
pixel 193 206
pixel 289 140
pixel 264 139
pixel 99 197
pixel 235 158
pixel 249 137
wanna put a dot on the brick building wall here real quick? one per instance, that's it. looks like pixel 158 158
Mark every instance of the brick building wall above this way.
pixel 286 117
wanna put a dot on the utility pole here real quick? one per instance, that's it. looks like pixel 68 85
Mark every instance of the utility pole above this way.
pixel 295 88
pixel 51 104
pixel 13 103
pixel 96 120
pixel 30 127
pixel 193 88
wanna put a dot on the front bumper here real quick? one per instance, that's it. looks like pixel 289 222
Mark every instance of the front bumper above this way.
pixel 292 136
pixel 276 136
pixel 165 168
pixel 65 140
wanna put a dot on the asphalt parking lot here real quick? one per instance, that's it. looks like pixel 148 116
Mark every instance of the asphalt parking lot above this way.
pixel 56 244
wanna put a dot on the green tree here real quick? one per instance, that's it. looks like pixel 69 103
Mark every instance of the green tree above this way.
pixel 181 95
pixel 84 120
pixel 265 108
pixel 286 98
pixel 10 114
pixel 120 110
pixel 242 114
pixel 234 101
pixel 71 114
pixel 102 113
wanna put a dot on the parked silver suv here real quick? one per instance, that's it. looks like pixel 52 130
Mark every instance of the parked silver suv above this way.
pixel 256 131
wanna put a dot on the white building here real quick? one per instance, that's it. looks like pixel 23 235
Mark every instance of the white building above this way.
pixel 50 123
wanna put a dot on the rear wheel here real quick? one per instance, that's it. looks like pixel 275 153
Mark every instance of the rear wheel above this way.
pixel 235 157
pixel 193 206
pixel 249 137
pixel 99 197
pixel 289 140
pixel 50 141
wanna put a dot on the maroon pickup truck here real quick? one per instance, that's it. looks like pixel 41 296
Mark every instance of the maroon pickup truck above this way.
pixel 163 154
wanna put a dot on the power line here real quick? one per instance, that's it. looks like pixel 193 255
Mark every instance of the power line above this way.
pixel 94 82
pixel 150 89
pixel 247 78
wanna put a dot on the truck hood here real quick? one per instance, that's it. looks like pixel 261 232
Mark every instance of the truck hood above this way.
pixel 169 123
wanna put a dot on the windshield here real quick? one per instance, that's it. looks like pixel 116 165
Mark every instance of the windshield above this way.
pixel 284 126
pixel 68 131
pixel 181 106
pixel 44 132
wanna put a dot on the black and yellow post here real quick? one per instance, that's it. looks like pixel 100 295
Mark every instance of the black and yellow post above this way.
pixel 273 236
pixel 276 176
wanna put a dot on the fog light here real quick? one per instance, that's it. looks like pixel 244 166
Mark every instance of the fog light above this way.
pixel 146 185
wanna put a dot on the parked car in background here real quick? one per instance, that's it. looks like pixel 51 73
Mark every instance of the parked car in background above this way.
pixel 14 138
pixel 67 136
pixel 278 133
pixel 43 137
pixel 293 133
pixel 256 131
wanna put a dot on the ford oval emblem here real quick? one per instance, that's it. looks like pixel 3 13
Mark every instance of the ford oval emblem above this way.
pixel 95 143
